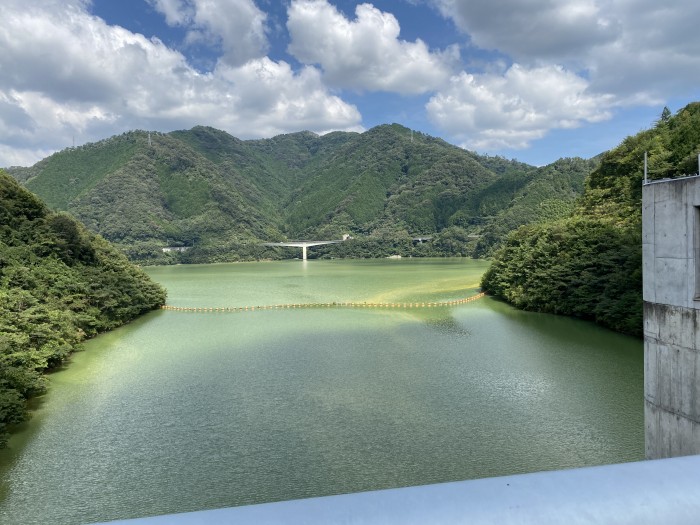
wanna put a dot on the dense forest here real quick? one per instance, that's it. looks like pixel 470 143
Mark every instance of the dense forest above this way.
pixel 221 197
pixel 589 264
pixel 59 284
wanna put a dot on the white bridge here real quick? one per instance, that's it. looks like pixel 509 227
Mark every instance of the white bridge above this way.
pixel 302 244
pixel 308 244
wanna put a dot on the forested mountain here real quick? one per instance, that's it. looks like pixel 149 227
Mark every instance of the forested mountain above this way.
pixel 222 197
pixel 589 264
pixel 145 192
pixel 59 284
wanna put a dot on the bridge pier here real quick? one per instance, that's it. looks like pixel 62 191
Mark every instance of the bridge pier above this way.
pixel 303 252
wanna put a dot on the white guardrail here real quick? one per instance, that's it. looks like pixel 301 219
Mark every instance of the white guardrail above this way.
pixel 659 492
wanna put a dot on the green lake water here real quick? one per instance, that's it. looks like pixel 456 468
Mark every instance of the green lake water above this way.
pixel 188 411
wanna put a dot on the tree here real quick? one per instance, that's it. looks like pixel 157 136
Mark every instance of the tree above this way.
pixel 665 115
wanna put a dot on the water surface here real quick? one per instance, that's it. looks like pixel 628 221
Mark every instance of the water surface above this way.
pixel 186 411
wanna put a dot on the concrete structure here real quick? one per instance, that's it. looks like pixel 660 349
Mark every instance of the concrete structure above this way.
pixel 671 254
pixel 422 239
pixel 304 244
pixel 643 493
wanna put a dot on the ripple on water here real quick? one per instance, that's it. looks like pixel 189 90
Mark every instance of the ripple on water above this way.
pixel 178 412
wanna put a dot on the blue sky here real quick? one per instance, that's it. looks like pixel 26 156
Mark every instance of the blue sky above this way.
pixel 535 80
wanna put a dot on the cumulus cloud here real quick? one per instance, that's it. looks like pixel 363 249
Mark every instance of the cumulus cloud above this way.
pixel 642 51
pixel 655 55
pixel 66 73
pixel 365 53
pixel 493 111
pixel 176 12
pixel 270 98
pixel 574 62
pixel 537 28
pixel 238 26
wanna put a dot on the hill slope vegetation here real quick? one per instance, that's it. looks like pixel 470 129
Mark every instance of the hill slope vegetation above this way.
pixel 221 197
pixel 589 264
pixel 59 284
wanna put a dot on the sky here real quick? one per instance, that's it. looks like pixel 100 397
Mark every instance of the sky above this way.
pixel 534 80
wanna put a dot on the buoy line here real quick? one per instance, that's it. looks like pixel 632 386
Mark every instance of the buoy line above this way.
pixel 422 304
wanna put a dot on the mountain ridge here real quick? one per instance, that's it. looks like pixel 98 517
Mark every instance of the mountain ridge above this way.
pixel 221 196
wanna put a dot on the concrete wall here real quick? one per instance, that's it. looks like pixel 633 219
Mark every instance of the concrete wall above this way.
pixel 642 493
pixel 671 247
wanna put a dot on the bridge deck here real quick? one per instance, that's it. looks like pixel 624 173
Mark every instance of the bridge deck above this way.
pixel 302 244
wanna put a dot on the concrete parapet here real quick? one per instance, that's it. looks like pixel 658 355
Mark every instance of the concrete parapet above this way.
pixel 641 493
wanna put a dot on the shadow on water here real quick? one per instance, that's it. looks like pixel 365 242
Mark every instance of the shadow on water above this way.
pixel 443 322
pixel 564 329
pixel 21 434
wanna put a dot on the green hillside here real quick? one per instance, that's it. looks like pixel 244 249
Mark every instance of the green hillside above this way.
pixel 589 264
pixel 59 284
pixel 517 198
pixel 386 178
pixel 156 191
pixel 220 197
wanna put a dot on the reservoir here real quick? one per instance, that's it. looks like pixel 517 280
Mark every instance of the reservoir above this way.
pixel 183 411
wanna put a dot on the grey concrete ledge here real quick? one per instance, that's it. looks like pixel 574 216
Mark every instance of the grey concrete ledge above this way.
pixel 649 492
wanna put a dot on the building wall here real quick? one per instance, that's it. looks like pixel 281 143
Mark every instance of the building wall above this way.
pixel 671 244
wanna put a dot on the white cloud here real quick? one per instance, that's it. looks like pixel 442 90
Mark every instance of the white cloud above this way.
pixel 655 55
pixel 66 73
pixel 574 62
pixel 492 111
pixel 270 98
pixel 643 51
pixel 365 53
pixel 238 26
pixel 176 12
pixel 534 29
